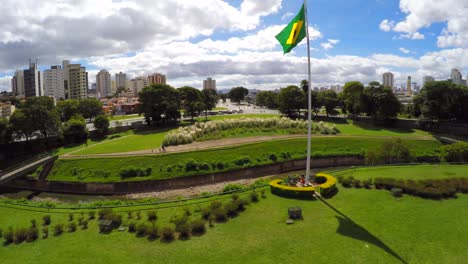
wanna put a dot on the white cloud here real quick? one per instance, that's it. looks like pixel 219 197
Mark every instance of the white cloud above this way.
pixel 287 15
pixel 329 44
pixel 405 51
pixel 423 13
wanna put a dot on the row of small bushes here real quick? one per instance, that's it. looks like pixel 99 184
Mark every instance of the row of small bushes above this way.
pixel 457 152
pixel 189 134
pixel 429 188
pixel 131 172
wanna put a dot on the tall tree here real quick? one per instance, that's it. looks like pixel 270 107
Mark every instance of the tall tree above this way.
pixel 68 108
pixel 90 107
pixel 329 99
pixel 74 130
pixel 353 97
pixel 101 124
pixel 5 131
pixel 210 99
pixel 441 100
pixel 291 100
pixel 268 99
pixel 238 94
pixel 159 102
pixel 191 100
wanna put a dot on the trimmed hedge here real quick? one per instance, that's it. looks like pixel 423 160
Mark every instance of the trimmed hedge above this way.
pixel 327 185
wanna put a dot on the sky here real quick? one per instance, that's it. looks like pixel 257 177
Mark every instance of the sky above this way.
pixel 234 42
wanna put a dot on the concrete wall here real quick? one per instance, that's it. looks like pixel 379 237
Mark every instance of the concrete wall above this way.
pixel 181 182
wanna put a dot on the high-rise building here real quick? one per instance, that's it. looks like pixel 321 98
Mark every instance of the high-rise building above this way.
pixel 209 84
pixel 456 77
pixel 137 84
pixel 387 80
pixel 121 80
pixel 54 83
pixel 103 83
pixel 408 86
pixel 157 78
pixel 77 83
pixel 17 84
pixel 426 79
pixel 32 81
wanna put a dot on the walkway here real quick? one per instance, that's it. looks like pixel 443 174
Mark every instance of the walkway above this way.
pixel 20 170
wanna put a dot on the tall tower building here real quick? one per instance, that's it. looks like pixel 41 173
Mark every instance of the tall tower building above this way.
pixel 408 86
pixel 121 80
pixel 426 79
pixel 17 84
pixel 456 77
pixel 103 83
pixel 77 82
pixel 387 80
pixel 209 84
pixel 138 84
pixel 32 81
pixel 53 83
pixel 157 78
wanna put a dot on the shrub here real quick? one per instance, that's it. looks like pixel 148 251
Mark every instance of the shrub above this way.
pixel 273 157
pixel 33 222
pixel 233 187
pixel 9 236
pixel 21 235
pixel 187 211
pixel 132 227
pixel 357 183
pixel 152 232
pixel 134 172
pixel 220 165
pixel 84 224
pixel 220 214
pixel 394 151
pixel 242 161
pixel 103 212
pixel 138 215
pixel 241 203
pixel 70 217
pixel 215 204
pixel 205 212
pixel 32 234
pixel 254 196
pixel 58 229
pixel 198 226
pixel 367 183
pixel 141 229
pixel 235 197
pixel 167 234
pixel 46 220
pixel 457 152
pixel 184 231
pixel 231 208
pixel 91 215
pixel 152 216
pixel 71 227
pixel 45 232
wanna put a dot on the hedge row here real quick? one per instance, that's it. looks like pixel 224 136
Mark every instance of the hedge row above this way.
pixel 326 181
pixel 431 189
pixel 457 152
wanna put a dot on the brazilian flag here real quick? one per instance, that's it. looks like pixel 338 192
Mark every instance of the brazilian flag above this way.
pixel 293 33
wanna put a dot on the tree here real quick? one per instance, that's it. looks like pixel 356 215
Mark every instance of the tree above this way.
pixel 268 99
pixel 90 107
pixel 20 124
pixel 223 97
pixel 329 99
pixel 101 124
pixel 353 97
pixel 380 102
pixel 191 100
pixel 210 99
pixel 441 100
pixel 316 105
pixel 67 109
pixel 5 131
pixel 74 130
pixel 238 94
pixel 291 100
pixel 159 102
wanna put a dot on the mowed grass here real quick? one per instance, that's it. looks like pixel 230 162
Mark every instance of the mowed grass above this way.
pixel 419 172
pixel 364 129
pixel 124 117
pixel 235 116
pixel 173 165
pixel 365 226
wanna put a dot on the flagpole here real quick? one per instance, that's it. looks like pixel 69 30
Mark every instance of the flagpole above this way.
pixel 309 109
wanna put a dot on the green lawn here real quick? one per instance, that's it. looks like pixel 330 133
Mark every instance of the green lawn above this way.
pixel 173 165
pixel 359 128
pixel 232 116
pixel 360 226
pixel 419 172
pixel 123 117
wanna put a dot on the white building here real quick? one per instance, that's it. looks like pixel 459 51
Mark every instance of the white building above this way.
pixel 387 80
pixel 6 110
pixel 54 83
pixel 137 84
pixel 121 80
pixel 104 84
pixel 17 84
pixel 76 85
pixel 209 84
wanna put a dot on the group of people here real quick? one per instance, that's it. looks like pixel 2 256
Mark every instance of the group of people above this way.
pixel 302 182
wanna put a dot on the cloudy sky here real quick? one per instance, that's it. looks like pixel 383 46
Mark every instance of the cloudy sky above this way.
pixel 233 40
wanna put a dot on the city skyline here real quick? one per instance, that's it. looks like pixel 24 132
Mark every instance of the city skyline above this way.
pixel 239 47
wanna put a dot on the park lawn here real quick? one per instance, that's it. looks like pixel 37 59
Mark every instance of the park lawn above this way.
pixel 365 129
pixel 236 116
pixel 413 172
pixel 123 117
pixel 367 226
pixel 172 165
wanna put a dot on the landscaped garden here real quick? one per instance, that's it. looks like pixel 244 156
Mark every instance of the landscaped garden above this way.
pixel 354 226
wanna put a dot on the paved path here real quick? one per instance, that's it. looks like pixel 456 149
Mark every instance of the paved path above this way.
pixel 12 174
pixel 220 143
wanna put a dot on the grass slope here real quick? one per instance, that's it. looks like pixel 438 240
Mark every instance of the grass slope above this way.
pixel 258 152
pixel 368 226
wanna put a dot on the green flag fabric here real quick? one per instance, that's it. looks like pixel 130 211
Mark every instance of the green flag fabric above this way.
pixel 293 33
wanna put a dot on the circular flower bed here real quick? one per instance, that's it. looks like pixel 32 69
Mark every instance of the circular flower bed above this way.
pixel 327 184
